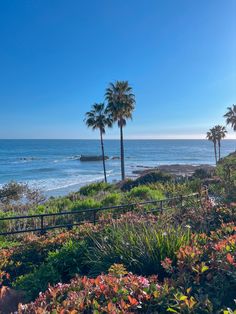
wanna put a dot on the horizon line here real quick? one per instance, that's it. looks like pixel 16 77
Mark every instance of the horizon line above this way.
pixel 107 139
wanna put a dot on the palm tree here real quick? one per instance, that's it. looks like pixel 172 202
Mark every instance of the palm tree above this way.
pixel 121 103
pixel 220 134
pixel 212 136
pixel 97 118
pixel 231 116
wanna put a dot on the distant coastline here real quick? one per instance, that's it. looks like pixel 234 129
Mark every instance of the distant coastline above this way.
pixel 54 167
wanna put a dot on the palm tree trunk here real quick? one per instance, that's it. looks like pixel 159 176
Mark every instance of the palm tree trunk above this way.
pixel 122 157
pixel 103 157
pixel 215 152
pixel 219 149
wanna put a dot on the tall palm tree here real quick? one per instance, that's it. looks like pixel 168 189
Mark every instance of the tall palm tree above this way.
pixel 220 134
pixel 231 116
pixel 121 103
pixel 97 118
pixel 212 136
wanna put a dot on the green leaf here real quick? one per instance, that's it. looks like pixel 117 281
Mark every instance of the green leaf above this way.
pixel 183 297
pixel 171 310
pixel 204 268
pixel 227 248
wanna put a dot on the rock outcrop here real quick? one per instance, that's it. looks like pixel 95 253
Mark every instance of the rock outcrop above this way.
pixel 92 158
pixel 9 299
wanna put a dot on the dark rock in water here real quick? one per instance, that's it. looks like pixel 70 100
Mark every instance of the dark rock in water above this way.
pixel 115 158
pixel 91 158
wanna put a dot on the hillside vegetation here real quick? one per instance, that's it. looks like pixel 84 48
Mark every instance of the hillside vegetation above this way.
pixel 180 260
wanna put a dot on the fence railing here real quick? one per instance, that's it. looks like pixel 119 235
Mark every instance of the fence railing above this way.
pixel 68 219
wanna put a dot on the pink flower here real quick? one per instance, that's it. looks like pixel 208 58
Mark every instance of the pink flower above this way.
pixel 167 264
pixel 144 282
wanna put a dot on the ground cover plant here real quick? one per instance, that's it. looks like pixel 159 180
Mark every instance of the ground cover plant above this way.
pixel 93 196
pixel 199 278
pixel 147 264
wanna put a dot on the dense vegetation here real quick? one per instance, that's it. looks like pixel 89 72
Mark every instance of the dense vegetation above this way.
pixel 180 260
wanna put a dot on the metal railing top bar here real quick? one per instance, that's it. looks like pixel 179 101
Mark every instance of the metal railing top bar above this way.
pixel 45 228
pixel 76 212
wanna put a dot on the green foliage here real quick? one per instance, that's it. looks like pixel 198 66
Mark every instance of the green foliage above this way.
pixel 94 188
pixel 150 177
pixel 226 170
pixel 145 193
pixel 139 246
pixel 112 199
pixel 37 281
pixel 60 265
pixel 12 191
pixel 88 203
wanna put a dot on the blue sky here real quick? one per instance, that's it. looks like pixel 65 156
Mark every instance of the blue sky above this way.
pixel 57 57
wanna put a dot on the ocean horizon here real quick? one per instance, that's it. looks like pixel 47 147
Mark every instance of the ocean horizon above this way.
pixel 53 165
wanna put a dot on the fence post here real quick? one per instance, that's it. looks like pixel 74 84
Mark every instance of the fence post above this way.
pixel 94 217
pixel 161 206
pixel 42 231
pixel 181 200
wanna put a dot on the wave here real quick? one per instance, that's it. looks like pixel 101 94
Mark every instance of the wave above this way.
pixel 47 185
pixel 75 157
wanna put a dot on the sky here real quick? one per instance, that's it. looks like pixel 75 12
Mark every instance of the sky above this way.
pixel 57 57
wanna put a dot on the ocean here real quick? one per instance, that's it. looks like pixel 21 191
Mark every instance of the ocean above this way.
pixel 53 166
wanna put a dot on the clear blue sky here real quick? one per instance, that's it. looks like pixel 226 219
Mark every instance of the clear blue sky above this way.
pixel 58 56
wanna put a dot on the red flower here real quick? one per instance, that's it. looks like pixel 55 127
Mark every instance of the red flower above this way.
pixel 230 259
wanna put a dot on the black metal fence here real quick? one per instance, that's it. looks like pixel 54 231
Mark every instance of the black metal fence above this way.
pixel 68 219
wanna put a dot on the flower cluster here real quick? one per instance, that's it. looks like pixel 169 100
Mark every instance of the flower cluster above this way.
pixel 104 294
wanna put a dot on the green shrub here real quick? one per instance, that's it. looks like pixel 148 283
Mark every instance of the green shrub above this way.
pixel 112 199
pixel 37 281
pixel 68 261
pixel 151 177
pixel 94 188
pixel 60 265
pixel 139 246
pixel 88 203
pixel 226 170
pixel 145 193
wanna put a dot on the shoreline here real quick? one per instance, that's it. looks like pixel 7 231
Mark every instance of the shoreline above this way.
pixel 177 170
pixel 184 170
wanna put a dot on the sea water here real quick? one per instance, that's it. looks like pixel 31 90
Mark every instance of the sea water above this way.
pixel 53 166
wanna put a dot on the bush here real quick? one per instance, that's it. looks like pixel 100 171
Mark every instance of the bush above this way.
pixel 140 246
pixel 226 170
pixel 151 177
pixel 105 294
pixel 60 265
pixel 145 193
pixel 94 188
pixel 88 203
pixel 112 199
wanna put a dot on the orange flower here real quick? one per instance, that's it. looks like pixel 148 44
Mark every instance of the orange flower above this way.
pixel 230 259
pixel 132 301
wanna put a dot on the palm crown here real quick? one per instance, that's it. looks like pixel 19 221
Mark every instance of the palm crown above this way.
pixel 212 135
pixel 231 116
pixel 97 118
pixel 121 101
pixel 220 132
